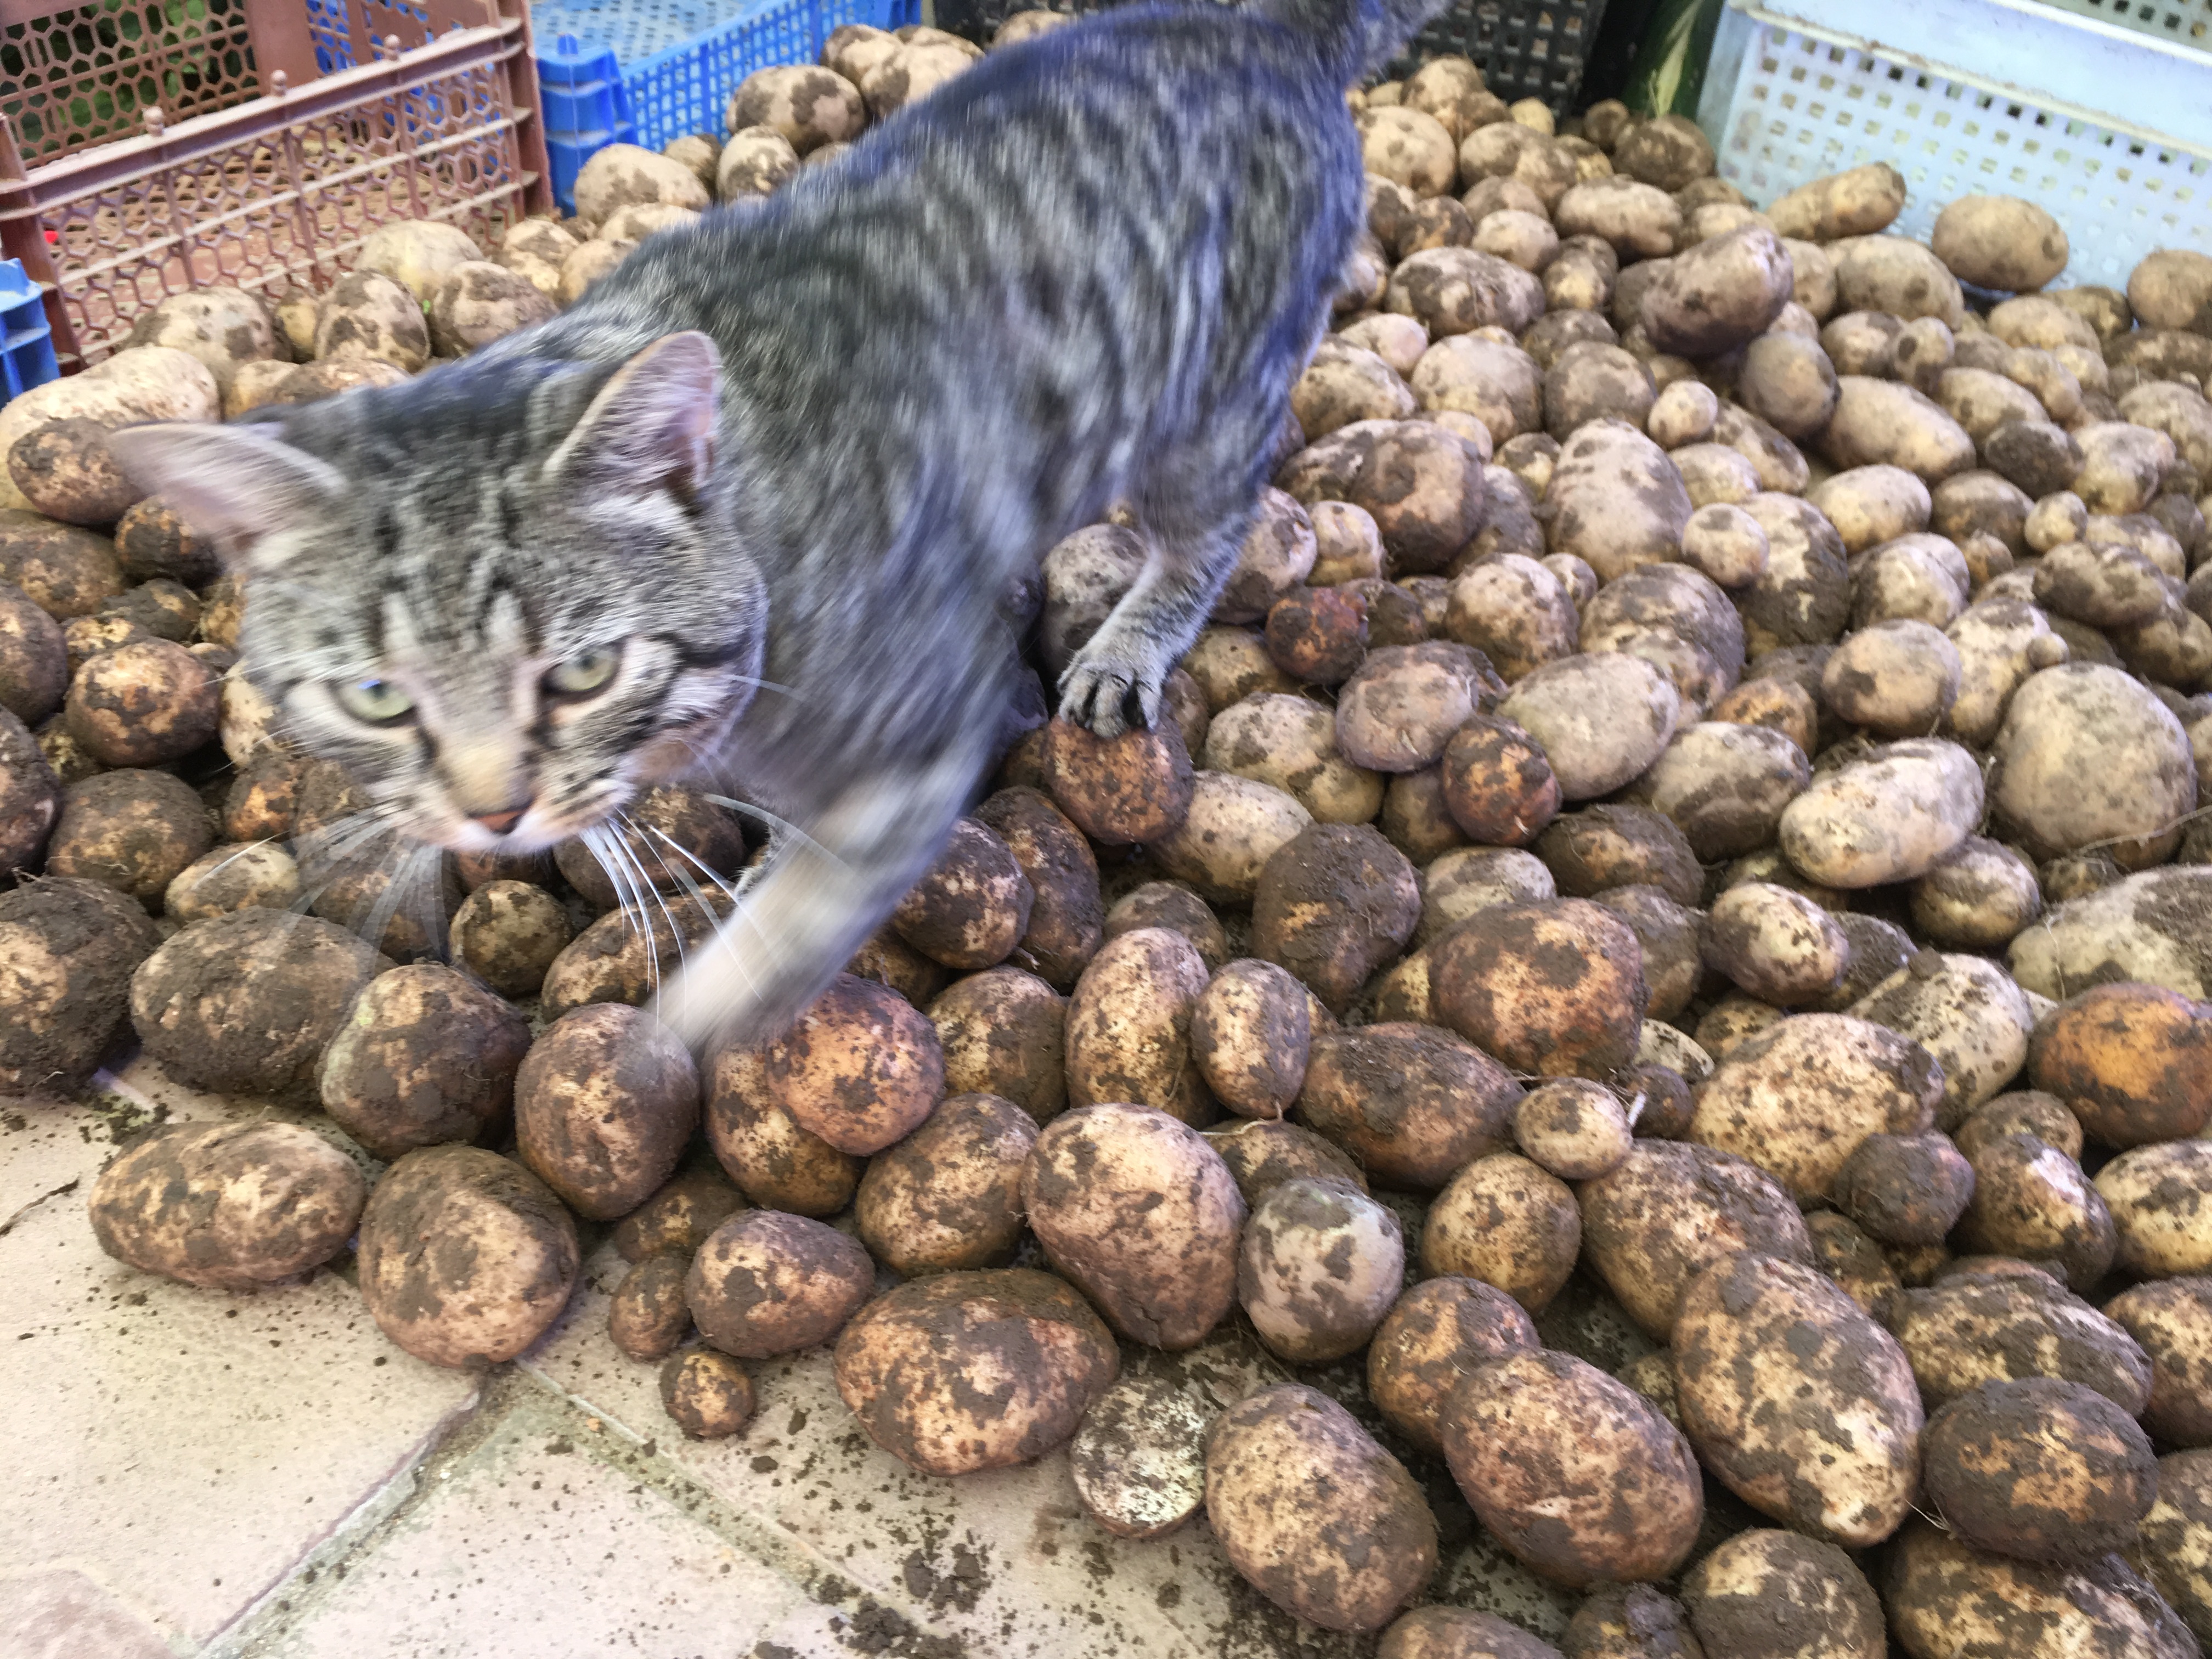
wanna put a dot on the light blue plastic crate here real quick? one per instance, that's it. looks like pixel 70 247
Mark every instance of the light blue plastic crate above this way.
pixel 26 342
pixel 2109 130
pixel 681 59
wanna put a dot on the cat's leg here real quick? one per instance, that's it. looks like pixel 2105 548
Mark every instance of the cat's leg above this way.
pixel 823 890
pixel 1193 508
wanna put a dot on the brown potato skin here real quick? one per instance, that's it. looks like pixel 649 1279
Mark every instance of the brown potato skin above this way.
pixel 1574 1473
pixel 1140 1212
pixel 244 1003
pixel 2170 1320
pixel 1555 988
pixel 604 1103
pixel 425 1056
pixel 1771 1593
pixel 1509 1222
pixel 861 1068
pixel 1334 904
pixel 1413 1104
pixel 509 933
pixel 1261 1152
pixel 775 1160
pixel 1066 918
pixel 648 1318
pixel 1630 1621
pixel 911 1367
pixel 1348 1566
pixel 1439 1330
pixel 1905 1189
pixel 2133 1062
pixel 948 1197
pixel 2031 1201
pixel 1120 791
pixel 133 830
pixel 1497 786
pixel 2039 1468
pixel 679 1218
pixel 973 907
pixel 1765 1425
pixel 1128 1026
pixel 1965 1331
pixel 1798 1097
pixel 2171 1548
pixel 1004 1032
pixel 68 949
pixel 1671 1211
pixel 1947 1600
pixel 228 1205
pixel 1441 1632
pixel 465 1257
pixel 765 1283
pixel 1251 1033
pixel 706 1394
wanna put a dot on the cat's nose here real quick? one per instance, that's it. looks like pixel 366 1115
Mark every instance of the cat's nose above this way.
pixel 501 821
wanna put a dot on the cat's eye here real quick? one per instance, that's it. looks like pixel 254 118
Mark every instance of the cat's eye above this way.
pixel 582 674
pixel 377 702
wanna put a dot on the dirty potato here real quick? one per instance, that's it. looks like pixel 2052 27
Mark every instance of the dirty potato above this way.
pixel 1350 1566
pixel 1168 1279
pixel 1411 1104
pixel 228 1205
pixel 1319 1266
pixel 465 1257
pixel 861 1068
pixel 1556 988
pixel 948 1197
pixel 775 1160
pixel 1766 1353
pixel 423 1056
pixel 1574 1473
pixel 765 1283
pixel 966 1372
pixel 1250 1032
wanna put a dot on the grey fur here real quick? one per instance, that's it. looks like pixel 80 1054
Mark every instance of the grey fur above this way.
pixel 1087 270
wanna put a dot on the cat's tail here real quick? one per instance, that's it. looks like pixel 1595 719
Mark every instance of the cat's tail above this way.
pixel 1356 36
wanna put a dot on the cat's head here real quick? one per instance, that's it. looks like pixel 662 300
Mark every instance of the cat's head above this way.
pixel 503 595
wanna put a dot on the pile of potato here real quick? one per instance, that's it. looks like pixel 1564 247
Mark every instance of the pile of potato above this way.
pixel 1690 805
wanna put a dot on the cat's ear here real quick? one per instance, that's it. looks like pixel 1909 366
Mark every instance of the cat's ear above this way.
pixel 651 429
pixel 238 486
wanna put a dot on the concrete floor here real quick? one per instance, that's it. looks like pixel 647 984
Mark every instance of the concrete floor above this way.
pixel 262 1476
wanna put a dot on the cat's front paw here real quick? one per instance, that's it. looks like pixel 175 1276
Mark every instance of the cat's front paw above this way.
pixel 1108 695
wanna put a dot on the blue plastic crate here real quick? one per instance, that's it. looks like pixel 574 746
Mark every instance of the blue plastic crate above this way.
pixel 664 67
pixel 26 342
pixel 587 108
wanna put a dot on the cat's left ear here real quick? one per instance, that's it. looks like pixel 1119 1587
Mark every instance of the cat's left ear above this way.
pixel 652 428
pixel 242 487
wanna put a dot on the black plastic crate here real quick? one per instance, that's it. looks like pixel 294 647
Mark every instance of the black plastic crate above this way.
pixel 1527 48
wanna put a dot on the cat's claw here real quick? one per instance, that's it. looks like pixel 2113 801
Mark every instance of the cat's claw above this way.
pixel 1110 698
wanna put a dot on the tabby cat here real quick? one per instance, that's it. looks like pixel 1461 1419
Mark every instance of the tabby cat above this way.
pixel 742 515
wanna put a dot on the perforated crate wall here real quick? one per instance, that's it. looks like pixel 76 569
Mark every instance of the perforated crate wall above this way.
pixel 684 88
pixel 1798 107
pixel 72 76
pixel 282 189
pixel 2186 23
pixel 1527 48
pixel 633 30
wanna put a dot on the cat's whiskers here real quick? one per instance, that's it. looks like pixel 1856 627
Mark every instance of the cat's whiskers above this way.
pixel 735 894
pixel 607 847
pixel 630 852
pixel 782 825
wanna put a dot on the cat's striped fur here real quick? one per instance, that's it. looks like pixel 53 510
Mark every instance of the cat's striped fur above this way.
pixel 786 461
